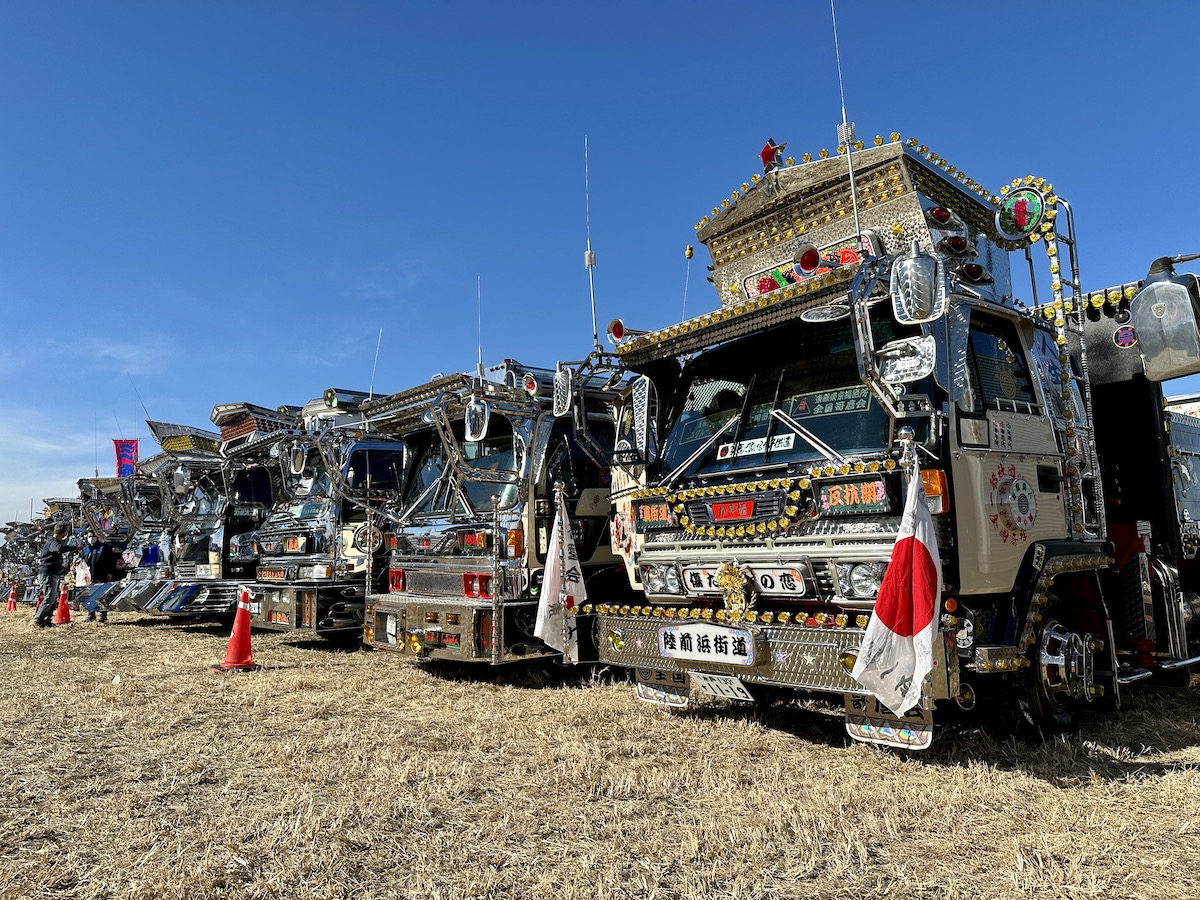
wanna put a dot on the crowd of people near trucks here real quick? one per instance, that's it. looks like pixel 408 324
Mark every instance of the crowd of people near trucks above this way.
pixel 739 504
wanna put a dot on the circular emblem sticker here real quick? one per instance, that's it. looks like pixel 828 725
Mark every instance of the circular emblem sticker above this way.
pixel 1020 213
pixel 1124 337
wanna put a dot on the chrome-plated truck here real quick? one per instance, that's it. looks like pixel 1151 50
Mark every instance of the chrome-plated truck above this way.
pixel 319 545
pixel 869 331
pixel 471 530
pixel 205 494
pixel 151 522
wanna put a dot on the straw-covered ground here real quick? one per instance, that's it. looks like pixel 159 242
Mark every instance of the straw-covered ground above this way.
pixel 131 771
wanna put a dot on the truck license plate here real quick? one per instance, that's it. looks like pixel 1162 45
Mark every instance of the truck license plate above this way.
pixel 720 686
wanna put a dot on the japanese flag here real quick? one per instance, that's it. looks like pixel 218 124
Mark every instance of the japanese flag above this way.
pixel 897 652
pixel 562 591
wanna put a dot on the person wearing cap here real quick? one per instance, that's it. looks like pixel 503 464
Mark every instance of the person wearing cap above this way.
pixel 52 566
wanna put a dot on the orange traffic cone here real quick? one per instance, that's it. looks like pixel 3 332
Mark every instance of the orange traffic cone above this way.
pixel 62 615
pixel 237 655
pixel 12 599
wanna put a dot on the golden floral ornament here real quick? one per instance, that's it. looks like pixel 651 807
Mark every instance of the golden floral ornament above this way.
pixel 736 588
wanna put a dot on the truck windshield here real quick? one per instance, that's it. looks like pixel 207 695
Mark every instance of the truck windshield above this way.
pixel 806 371
pixel 489 467
pixel 375 468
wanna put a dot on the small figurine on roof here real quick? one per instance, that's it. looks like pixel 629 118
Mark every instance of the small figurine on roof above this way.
pixel 772 155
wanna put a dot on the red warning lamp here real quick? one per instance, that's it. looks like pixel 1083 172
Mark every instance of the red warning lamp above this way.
pixel 975 273
pixel 530 383
pixel 953 244
pixel 941 215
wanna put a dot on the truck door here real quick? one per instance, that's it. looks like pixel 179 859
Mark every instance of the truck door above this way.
pixel 1006 465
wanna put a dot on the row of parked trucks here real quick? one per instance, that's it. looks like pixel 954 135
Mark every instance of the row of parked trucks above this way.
pixel 734 483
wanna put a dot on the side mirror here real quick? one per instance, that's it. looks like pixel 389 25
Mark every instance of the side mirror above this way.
pixel 1168 335
pixel 476 420
pixel 645 414
pixel 296 459
pixel 909 359
pixel 918 287
pixel 180 480
pixel 564 390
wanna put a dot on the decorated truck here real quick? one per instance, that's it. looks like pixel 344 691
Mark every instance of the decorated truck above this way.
pixel 869 333
pixel 147 513
pixel 472 529
pixel 319 546
pixel 101 513
pixel 204 492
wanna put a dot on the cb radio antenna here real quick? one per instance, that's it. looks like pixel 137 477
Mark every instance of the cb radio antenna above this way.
pixel 846 131
pixel 589 257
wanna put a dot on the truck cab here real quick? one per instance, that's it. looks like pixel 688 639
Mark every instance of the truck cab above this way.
pixel 869 333
pixel 318 547
pixel 472 527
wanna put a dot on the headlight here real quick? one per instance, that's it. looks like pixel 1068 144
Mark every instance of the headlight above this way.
pixel 865 579
pixel 660 579
pixel 860 579
pixel 652 578
pixel 316 571
pixel 671 578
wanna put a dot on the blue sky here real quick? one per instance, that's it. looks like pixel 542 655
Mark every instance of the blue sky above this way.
pixel 211 202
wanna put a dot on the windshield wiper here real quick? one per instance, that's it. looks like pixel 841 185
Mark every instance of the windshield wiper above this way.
pixel 699 451
pixel 813 441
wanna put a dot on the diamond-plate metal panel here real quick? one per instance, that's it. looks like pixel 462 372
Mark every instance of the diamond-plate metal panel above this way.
pixel 804 658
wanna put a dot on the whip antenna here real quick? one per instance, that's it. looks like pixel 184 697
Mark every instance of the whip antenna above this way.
pixel 846 131
pixel 479 323
pixel 374 365
pixel 589 257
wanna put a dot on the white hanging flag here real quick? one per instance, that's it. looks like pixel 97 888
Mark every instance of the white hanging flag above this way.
pixel 897 651
pixel 563 591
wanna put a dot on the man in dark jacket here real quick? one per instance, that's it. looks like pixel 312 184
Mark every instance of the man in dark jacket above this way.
pixel 101 561
pixel 52 566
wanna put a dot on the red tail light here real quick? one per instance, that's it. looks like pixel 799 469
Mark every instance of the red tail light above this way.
pixel 477 585
pixel 396 581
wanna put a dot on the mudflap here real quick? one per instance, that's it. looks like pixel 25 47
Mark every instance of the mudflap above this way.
pixel 870 721
pixel 666 688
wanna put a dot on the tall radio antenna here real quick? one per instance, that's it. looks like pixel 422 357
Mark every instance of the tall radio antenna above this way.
pixel 846 131
pixel 374 365
pixel 479 323
pixel 589 257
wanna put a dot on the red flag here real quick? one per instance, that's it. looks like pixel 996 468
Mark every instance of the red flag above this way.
pixel 127 456
pixel 897 651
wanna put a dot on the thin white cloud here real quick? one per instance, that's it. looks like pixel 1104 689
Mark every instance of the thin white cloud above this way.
pixel 40 457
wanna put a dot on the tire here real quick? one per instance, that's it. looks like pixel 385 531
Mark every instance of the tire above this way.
pixel 1056 686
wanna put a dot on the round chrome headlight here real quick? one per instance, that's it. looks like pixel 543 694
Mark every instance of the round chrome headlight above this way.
pixel 865 579
pixel 671 580
pixel 652 578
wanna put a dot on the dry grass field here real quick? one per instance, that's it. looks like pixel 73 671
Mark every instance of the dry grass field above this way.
pixel 131 771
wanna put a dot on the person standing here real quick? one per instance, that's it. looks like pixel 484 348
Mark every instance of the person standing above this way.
pixel 52 566
pixel 101 562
